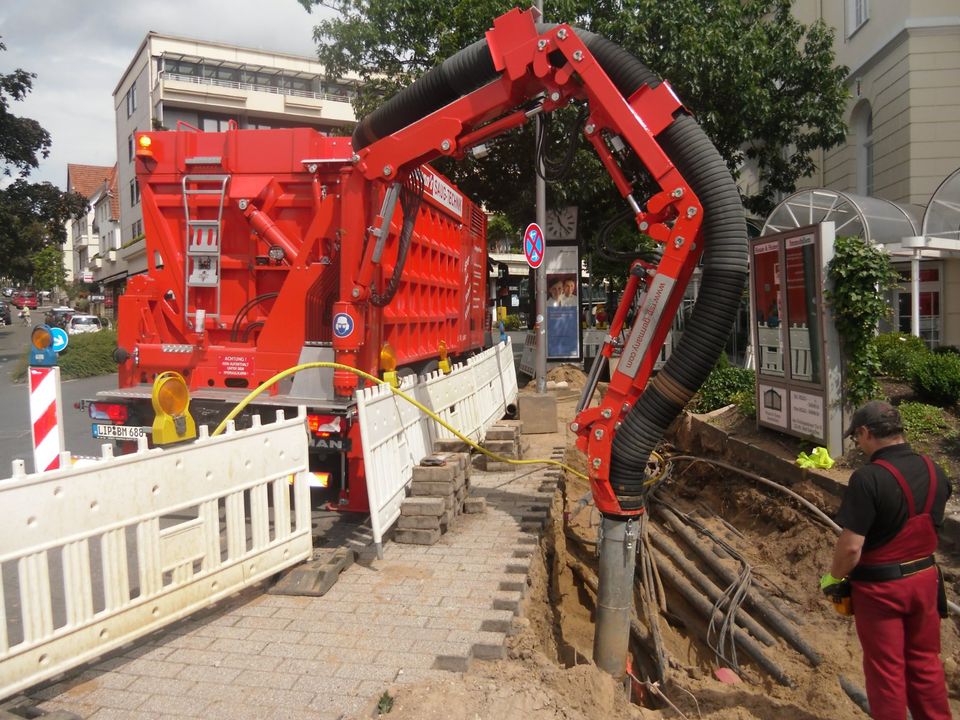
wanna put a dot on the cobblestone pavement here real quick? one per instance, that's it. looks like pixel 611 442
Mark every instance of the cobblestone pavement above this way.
pixel 419 612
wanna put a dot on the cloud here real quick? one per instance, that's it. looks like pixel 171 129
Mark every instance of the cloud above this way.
pixel 79 51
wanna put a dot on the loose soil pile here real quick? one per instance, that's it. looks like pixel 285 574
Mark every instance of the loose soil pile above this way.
pixel 549 672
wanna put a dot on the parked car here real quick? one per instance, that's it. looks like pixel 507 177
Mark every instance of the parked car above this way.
pixel 83 324
pixel 7 291
pixel 28 298
pixel 5 317
pixel 59 316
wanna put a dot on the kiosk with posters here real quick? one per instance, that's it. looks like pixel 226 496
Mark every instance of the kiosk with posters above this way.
pixel 796 347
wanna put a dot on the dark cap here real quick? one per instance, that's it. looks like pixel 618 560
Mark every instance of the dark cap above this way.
pixel 876 415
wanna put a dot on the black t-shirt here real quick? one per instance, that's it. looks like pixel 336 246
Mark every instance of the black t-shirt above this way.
pixel 874 505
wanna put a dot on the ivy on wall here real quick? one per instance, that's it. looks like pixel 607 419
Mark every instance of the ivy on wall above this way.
pixel 860 274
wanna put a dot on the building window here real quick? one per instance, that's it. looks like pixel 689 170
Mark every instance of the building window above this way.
pixel 215 123
pixel 132 99
pixel 862 123
pixel 931 309
pixel 134 193
pixel 136 230
pixel 131 146
pixel 858 12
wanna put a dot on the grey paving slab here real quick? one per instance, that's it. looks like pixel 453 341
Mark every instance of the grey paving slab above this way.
pixel 418 613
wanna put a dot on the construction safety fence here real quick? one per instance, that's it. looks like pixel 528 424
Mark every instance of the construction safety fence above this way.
pixel 95 555
pixel 396 435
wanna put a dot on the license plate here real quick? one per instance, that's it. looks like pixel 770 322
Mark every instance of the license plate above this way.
pixel 120 432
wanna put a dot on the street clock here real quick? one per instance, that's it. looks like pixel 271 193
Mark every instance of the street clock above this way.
pixel 562 223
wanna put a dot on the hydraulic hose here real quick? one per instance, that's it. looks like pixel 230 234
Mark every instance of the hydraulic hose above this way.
pixel 251 396
pixel 724 235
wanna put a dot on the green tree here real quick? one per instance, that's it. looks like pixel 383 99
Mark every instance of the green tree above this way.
pixel 21 139
pixel 763 86
pixel 32 215
pixel 48 270
pixel 501 230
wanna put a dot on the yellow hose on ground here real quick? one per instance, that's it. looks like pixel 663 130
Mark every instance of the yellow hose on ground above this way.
pixel 396 391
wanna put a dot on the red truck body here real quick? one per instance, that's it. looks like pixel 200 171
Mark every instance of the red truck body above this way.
pixel 241 232
pixel 254 240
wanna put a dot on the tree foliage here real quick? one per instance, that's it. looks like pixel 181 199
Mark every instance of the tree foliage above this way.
pixel 48 270
pixel 763 86
pixel 21 139
pixel 32 215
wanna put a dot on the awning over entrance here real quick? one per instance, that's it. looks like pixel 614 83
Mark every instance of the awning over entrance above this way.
pixel 877 220
pixel 940 234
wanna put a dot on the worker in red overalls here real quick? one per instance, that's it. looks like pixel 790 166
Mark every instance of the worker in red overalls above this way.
pixel 884 560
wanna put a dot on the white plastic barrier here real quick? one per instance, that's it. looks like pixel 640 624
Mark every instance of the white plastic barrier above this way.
pixel 396 435
pixel 508 373
pixel 489 387
pixel 528 357
pixel 454 398
pixel 97 555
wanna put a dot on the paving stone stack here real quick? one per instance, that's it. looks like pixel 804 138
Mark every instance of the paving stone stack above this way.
pixel 437 493
pixel 502 439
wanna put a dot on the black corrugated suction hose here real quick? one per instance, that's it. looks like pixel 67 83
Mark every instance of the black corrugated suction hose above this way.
pixel 724 236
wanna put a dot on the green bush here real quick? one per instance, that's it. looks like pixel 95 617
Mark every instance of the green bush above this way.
pixel 86 355
pixel 947 350
pixel 721 386
pixel 511 322
pixel 746 402
pixel 898 352
pixel 923 423
pixel 936 379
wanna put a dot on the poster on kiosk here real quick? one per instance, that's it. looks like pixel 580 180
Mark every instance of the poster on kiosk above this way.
pixel 796 348
pixel 563 301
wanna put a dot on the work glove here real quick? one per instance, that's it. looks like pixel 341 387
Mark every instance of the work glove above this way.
pixel 819 458
pixel 835 589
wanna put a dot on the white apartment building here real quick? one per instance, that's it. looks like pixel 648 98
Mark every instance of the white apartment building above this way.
pixel 97 228
pixel 176 82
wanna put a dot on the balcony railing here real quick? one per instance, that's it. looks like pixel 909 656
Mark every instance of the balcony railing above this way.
pixel 234 85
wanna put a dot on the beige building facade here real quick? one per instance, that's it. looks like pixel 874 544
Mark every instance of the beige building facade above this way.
pixel 903 118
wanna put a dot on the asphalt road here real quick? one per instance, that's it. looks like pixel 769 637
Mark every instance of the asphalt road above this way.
pixel 16 440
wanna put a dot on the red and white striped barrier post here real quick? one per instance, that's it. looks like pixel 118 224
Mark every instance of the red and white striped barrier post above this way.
pixel 46 417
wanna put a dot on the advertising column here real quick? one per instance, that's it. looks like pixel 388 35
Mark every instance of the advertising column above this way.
pixel 796 348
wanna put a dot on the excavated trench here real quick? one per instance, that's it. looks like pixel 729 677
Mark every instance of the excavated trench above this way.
pixel 716 540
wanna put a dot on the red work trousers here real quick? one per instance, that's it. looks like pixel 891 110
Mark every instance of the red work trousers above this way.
pixel 899 630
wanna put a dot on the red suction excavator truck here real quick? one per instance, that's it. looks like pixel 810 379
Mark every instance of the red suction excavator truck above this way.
pixel 265 250
pixel 269 248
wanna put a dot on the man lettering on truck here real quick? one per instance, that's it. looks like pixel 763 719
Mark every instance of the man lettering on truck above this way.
pixel 884 561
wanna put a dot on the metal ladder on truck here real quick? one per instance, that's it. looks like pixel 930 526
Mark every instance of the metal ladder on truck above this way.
pixel 203 242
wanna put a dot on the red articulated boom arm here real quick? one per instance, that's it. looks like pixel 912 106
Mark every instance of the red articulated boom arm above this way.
pixel 523 69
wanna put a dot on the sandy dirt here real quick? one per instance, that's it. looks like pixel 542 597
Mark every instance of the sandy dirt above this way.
pixel 549 672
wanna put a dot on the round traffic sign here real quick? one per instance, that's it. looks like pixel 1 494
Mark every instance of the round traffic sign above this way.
pixel 60 339
pixel 533 245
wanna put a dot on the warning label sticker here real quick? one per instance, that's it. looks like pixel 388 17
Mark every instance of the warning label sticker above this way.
pixel 236 365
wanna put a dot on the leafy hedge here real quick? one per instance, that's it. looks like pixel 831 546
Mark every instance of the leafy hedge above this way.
pixel 898 353
pixel 923 422
pixel 859 275
pixel 86 355
pixel 936 379
pixel 723 386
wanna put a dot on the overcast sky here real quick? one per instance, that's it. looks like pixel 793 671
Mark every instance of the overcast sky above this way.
pixel 79 50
